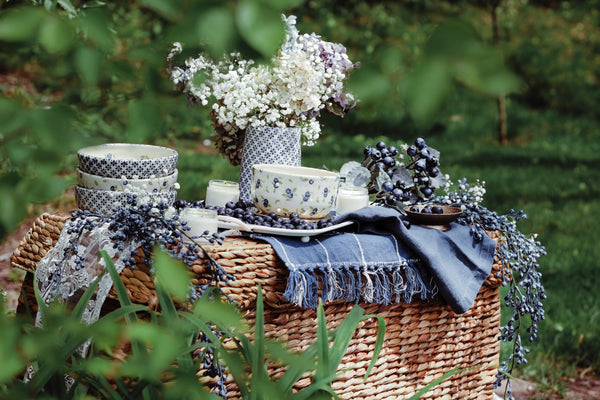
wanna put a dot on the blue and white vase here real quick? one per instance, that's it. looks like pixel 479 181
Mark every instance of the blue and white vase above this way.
pixel 267 145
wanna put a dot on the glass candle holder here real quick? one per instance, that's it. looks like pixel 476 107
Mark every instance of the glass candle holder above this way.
pixel 219 192
pixel 351 198
pixel 199 220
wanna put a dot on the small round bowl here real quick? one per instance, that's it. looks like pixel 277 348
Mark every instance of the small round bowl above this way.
pixel 449 214
pixel 105 201
pixel 134 161
pixel 150 185
pixel 284 189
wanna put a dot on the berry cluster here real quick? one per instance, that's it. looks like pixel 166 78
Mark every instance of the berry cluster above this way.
pixel 519 255
pixel 397 182
pixel 136 229
pixel 428 209
pixel 246 213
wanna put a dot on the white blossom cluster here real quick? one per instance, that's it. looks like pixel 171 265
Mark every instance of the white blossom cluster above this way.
pixel 465 193
pixel 305 77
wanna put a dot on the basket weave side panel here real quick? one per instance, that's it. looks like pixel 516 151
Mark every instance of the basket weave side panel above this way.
pixel 422 341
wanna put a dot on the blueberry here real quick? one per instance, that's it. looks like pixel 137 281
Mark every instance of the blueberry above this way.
pixel 380 145
pixel 420 142
pixel 420 165
pixel 437 210
pixel 230 204
pixel 387 186
pixel 425 153
pixel 392 150
pixel 411 151
pixel 426 210
pixel 376 154
pixel 389 161
pixel 427 191
pixel 414 208
pixel 433 172
pixel 397 193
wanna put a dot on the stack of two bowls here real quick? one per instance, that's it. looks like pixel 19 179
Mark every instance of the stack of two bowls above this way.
pixel 109 173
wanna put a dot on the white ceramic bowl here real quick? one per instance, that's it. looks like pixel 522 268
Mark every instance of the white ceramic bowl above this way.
pixel 134 161
pixel 105 201
pixel 150 185
pixel 284 189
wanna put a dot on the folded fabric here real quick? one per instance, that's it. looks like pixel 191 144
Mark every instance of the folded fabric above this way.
pixel 351 267
pixel 458 263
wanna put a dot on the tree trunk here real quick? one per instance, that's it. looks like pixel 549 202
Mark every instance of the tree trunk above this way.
pixel 501 100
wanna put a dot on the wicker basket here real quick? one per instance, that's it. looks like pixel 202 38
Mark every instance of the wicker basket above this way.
pixel 422 340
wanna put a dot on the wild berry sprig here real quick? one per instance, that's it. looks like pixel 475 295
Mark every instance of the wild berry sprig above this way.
pixel 136 229
pixel 519 256
pixel 397 179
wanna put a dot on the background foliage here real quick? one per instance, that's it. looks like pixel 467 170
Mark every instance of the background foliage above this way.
pixel 76 73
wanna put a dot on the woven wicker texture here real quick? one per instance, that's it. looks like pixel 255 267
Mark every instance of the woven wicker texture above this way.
pixel 422 340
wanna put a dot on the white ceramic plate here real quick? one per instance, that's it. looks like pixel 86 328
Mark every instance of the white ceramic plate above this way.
pixel 226 222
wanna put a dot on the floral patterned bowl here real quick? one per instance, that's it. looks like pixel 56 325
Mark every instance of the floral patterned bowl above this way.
pixel 150 185
pixel 134 161
pixel 105 201
pixel 284 189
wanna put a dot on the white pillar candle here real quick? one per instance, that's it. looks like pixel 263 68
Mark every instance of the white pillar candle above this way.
pixel 199 220
pixel 220 192
pixel 351 198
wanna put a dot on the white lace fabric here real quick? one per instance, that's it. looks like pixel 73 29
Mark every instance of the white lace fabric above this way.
pixel 66 282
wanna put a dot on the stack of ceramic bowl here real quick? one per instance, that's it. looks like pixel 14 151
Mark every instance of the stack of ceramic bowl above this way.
pixel 109 173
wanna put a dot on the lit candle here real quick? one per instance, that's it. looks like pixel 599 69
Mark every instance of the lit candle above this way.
pixel 199 220
pixel 351 198
pixel 220 192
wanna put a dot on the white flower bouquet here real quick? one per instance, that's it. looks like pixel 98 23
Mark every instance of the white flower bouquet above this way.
pixel 304 78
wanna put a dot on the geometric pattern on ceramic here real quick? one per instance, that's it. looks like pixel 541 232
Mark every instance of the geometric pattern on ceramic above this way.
pixel 104 201
pixel 310 192
pixel 150 185
pixel 140 161
pixel 267 145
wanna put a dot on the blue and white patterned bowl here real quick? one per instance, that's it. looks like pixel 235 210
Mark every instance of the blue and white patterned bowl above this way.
pixel 285 189
pixel 134 161
pixel 105 201
pixel 150 185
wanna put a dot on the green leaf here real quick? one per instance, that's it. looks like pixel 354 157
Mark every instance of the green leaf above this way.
pixel 369 85
pixel 164 8
pixel 56 35
pixel 427 88
pixel 437 381
pixel 88 63
pixel 216 29
pixel 260 26
pixel 171 274
pixel 323 366
pixel 144 120
pixel 20 24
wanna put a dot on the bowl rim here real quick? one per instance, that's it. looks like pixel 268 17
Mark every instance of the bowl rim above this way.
pixel 296 171
pixel 174 175
pixel 118 192
pixel 166 152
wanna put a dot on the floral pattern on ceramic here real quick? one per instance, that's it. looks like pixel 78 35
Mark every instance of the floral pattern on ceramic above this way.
pixel 310 192
pixel 134 161
pixel 105 201
pixel 150 185
pixel 267 145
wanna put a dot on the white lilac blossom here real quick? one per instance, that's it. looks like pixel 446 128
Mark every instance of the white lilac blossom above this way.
pixel 306 77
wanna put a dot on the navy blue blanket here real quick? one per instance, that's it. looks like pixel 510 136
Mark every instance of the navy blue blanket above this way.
pixel 351 267
pixel 385 260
